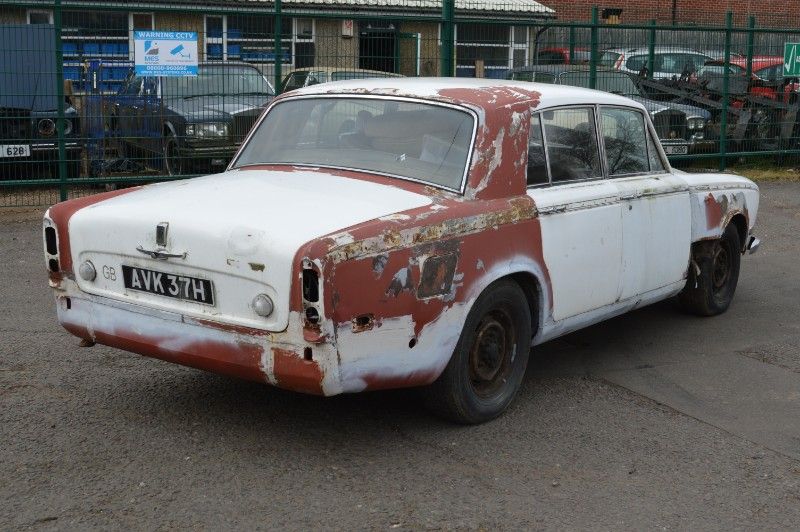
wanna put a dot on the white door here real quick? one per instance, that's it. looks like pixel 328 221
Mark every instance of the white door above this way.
pixel 579 211
pixel 656 213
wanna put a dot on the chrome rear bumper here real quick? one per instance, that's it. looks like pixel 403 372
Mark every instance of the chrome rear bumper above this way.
pixel 752 245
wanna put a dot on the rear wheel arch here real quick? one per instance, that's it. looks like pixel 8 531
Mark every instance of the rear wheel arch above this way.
pixel 740 223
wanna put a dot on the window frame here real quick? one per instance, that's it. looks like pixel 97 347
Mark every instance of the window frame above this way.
pixel 47 12
pixel 600 149
pixel 464 109
pixel 600 108
pixel 294 38
pixel 596 107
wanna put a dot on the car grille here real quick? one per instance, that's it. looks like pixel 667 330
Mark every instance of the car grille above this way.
pixel 242 124
pixel 15 124
pixel 670 124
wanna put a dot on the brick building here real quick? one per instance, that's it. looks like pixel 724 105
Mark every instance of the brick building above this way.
pixel 769 13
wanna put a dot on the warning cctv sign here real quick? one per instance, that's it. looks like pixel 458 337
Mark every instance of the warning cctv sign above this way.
pixel 165 53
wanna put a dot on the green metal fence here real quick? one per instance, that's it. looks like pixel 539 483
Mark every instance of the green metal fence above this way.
pixel 76 117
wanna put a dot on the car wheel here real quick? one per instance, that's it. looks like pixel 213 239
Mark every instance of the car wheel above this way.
pixel 173 163
pixel 487 367
pixel 709 292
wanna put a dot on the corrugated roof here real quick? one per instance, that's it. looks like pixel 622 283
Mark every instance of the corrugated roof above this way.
pixel 515 6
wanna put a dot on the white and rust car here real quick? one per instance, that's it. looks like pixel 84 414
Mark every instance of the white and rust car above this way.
pixel 402 232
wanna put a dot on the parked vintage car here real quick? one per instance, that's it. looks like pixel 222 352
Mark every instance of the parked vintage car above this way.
pixel 191 124
pixel 680 127
pixel 392 233
pixel 561 56
pixel 669 61
pixel 304 77
pixel 29 107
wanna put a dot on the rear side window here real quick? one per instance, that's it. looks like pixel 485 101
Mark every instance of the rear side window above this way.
pixel 636 62
pixel 625 141
pixel 572 144
pixel 537 162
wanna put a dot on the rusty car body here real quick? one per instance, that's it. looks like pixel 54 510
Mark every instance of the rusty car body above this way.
pixel 474 219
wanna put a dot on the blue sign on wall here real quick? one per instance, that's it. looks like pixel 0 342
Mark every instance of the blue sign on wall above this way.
pixel 165 53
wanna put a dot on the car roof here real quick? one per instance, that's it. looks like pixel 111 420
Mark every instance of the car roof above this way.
pixel 472 92
pixel 562 68
pixel 345 69
pixel 657 49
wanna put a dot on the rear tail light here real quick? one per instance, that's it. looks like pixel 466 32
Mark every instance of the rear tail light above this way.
pixel 310 286
pixel 310 280
pixel 51 246
pixel 50 240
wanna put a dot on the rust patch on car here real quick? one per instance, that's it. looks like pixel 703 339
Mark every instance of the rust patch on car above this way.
pixel 437 275
pixel 716 209
pixel 376 382
pixel 364 322
pixel 256 266
pixel 293 372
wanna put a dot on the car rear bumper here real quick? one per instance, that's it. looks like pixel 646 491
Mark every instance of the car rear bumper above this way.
pixel 282 359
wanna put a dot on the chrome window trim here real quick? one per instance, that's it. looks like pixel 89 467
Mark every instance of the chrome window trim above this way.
pixel 648 135
pixel 593 107
pixel 419 100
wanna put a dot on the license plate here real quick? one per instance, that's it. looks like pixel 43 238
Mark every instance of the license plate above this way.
pixel 15 150
pixel 676 149
pixel 168 285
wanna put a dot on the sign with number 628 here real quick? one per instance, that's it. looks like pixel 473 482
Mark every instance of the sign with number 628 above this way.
pixel 15 150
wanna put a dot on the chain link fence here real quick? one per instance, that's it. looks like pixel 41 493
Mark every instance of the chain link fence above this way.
pixel 77 115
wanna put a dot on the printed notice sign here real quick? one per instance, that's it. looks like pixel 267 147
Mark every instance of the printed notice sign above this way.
pixel 165 53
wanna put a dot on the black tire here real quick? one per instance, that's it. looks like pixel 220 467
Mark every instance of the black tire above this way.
pixel 487 367
pixel 710 292
pixel 174 164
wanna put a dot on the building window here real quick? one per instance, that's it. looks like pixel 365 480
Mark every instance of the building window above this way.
pixel 102 35
pixel 252 38
pixel 137 22
pixel 40 17
pixel 499 47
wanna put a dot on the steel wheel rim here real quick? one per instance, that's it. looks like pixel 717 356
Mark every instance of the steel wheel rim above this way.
pixel 171 158
pixel 721 266
pixel 492 353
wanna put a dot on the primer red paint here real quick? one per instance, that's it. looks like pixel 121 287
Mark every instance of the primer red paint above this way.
pixel 293 372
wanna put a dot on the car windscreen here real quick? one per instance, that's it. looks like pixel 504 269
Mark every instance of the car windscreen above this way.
pixel 606 81
pixel 412 140
pixel 609 59
pixel 218 80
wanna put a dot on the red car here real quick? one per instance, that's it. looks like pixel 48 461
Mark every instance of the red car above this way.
pixel 561 56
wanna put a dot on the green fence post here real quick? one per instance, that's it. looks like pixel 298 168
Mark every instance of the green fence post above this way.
pixel 594 52
pixel 651 49
pixel 446 57
pixel 571 45
pixel 723 123
pixel 62 151
pixel 278 47
pixel 751 35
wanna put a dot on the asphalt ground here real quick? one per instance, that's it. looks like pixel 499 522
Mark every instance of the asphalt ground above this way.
pixel 653 420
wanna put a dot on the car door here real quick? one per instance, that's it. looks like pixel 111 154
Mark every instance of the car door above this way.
pixel 126 110
pixel 579 211
pixel 152 114
pixel 656 212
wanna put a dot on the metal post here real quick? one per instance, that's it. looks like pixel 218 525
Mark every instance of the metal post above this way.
pixel 62 151
pixel 593 57
pixel 278 47
pixel 751 35
pixel 723 129
pixel 571 45
pixel 651 49
pixel 446 58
